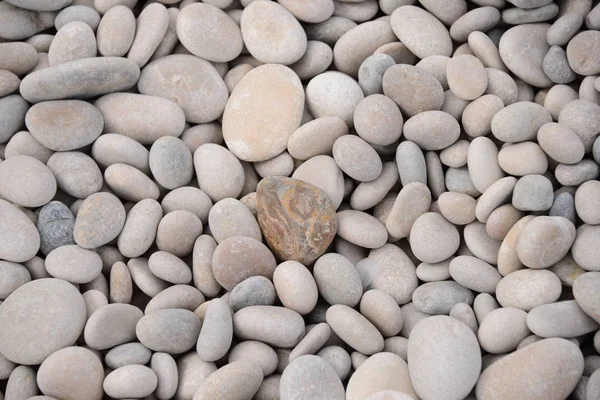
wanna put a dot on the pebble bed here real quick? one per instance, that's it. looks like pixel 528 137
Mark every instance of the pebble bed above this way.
pixel 299 199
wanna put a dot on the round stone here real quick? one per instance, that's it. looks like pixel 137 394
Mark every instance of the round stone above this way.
pixel 55 224
pixel 583 251
pixel 73 264
pixel 311 377
pixel 26 181
pixel 216 334
pixel 337 280
pixel 272 34
pixel 354 329
pixel 220 174
pixel 295 286
pixel 433 238
pixel 77 174
pixel 440 297
pixel 111 148
pixel 171 162
pixel 502 330
pixel 357 158
pixel 582 57
pixel 378 120
pixel 169 268
pixel 316 137
pixel 243 379
pixel 330 178
pixel 361 229
pixel 71 373
pixel 432 130
pixel 509 124
pixel 196 26
pixel 563 319
pixel 474 274
pixel 40 333
pixel 585 202
pixel 264 110
pixel 20 238
pixel 526 65
pixel 253 291
pixel 533 193
pixel 444 358
pixel 73 41
pixel 139 230
pixel 584 292
pixel 560 143
pixel 177 232
pixel 545 241
pixel 255 352
pixel 111 325
pixel 333 93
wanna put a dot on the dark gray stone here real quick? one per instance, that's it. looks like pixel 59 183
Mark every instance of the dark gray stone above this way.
pixel 254 291
pixel 55 224
pixel 556 66
pixel 564 206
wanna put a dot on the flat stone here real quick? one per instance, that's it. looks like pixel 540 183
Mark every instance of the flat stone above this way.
pixel 111 325
pixel 401 82
pixel 255 352
pixel 421 32
pixel 527 288
pixel 172 331
pixel 545 241
pixel 549 369
pixel 337 280
pixel 584 292
pixel 562 319
pixel 26 181
pixel 99 220
pixel 243 379
pixel 311 377
pixel 116 31
pixel 130 381
pixel 73 373
pixel 73 264
pixel 77 174
pixel 127 354
pixel 40 334
pixel 18 234
pixel 305 212
pixel 354 329
pixel 440 297
pixel 276 326
pixel 444 358
pixel 216 334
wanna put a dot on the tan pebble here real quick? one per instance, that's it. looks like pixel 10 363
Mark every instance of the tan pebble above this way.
pixel 457 208
pixel 466 77
pixel 317 59
pixel 73 41
pixel 333 93
pixel 477 115
pixel 378 120
pixel 421 32
pixel 523 158
pixel 501 220
pixel 432 130
pixel 316 137
pixel 402 82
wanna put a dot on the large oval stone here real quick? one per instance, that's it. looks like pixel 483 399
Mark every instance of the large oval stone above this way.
pixel 18 235
pixel 40 318
pixel 297 219
pixel 549 369
pixel 263 111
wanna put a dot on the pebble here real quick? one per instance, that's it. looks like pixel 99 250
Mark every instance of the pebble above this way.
pixel 466 76
pixel 257 353
pixel 583 290
pixel 311 377
pixel 526 289
pixel 533 193
pixel 193 24
pixel 217 331
pixel 544 241
pixel 502 330
pixel 432 130
pixel 15 275
pixel 357 158
pixel 330 178
pixel 230 217
pixel 576 174
pixel 73 264
pixel 295 286
pixel 130 381
pixel 21 383
pixel 421 32
pixel 116 31
pixel 354 329
pixel 316 137
pixel 276 326
pixel 177 78
pixel 580 54
pixel 169 268
pixel 55 225
pixel 111 325
pixel 361 229
pixel 401 82
pixel 157 330
pixel 244 380
pixel 584 255
pixel 165 368
pixel 370 73
pixel 81 13
pixel 413 201
pixel 333 93
pixel 580 117
pixel 382 110
pixel 139 229
pixel 474 274
pixel 18 233
pixel 26 181
pixel 542 364
pixel 411 163
pixel 556 66
pixel 374 375
pixel 562 319
pixel 20 57
pixel 89 77
pixel 560 143
pixel 177 232
pixel 72 372
pixel 99 220
pixel 254 291
pixel 558 96
pixel 382 311
pixel 76 173
pixel 444 358
pixel 136 116
pixel 337 280
pixel 192 372
pixel 523 158
pixel 440 297
pixel 40 334
pixel 433 238
pixel 529 68
pixel 369 194
pixel 74 41
pixel 112 148
pixel 483 163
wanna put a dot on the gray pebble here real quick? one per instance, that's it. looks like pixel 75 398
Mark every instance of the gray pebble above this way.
pixel 556 66
pixel 518 16
pixel 563 319
pixel 76 173
pixel 533 193
pixel 13 276
pixel 12 116
pixel 169 267
pixel 21 384
pixel 192 371
pixel 127 354
pixel 440 297
pixel 411 163
pixel 172 331
pixel 55 224
pixel 145 280
pixel 583 118
pixel 217 331
pixel 243 380
pixel 337 280
pixel 171 162
pixel 94 299
pixel 40 334
pixel 253 291
pixel 26 181
pixel 130 183
pixel 370 73
pixel 139 230
pixel 130 381
pixel 257 353
pixel 563 29
pixel 459 180
pixel 165 368
pixel 276 326
pixel 576 174
pixel 176 296
pixel 112 325
pixel 311 377
pixel 112 148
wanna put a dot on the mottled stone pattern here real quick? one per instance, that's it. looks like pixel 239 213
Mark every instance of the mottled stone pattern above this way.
pixel 297 219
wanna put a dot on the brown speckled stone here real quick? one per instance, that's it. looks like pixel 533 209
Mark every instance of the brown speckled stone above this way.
pixel 297 219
